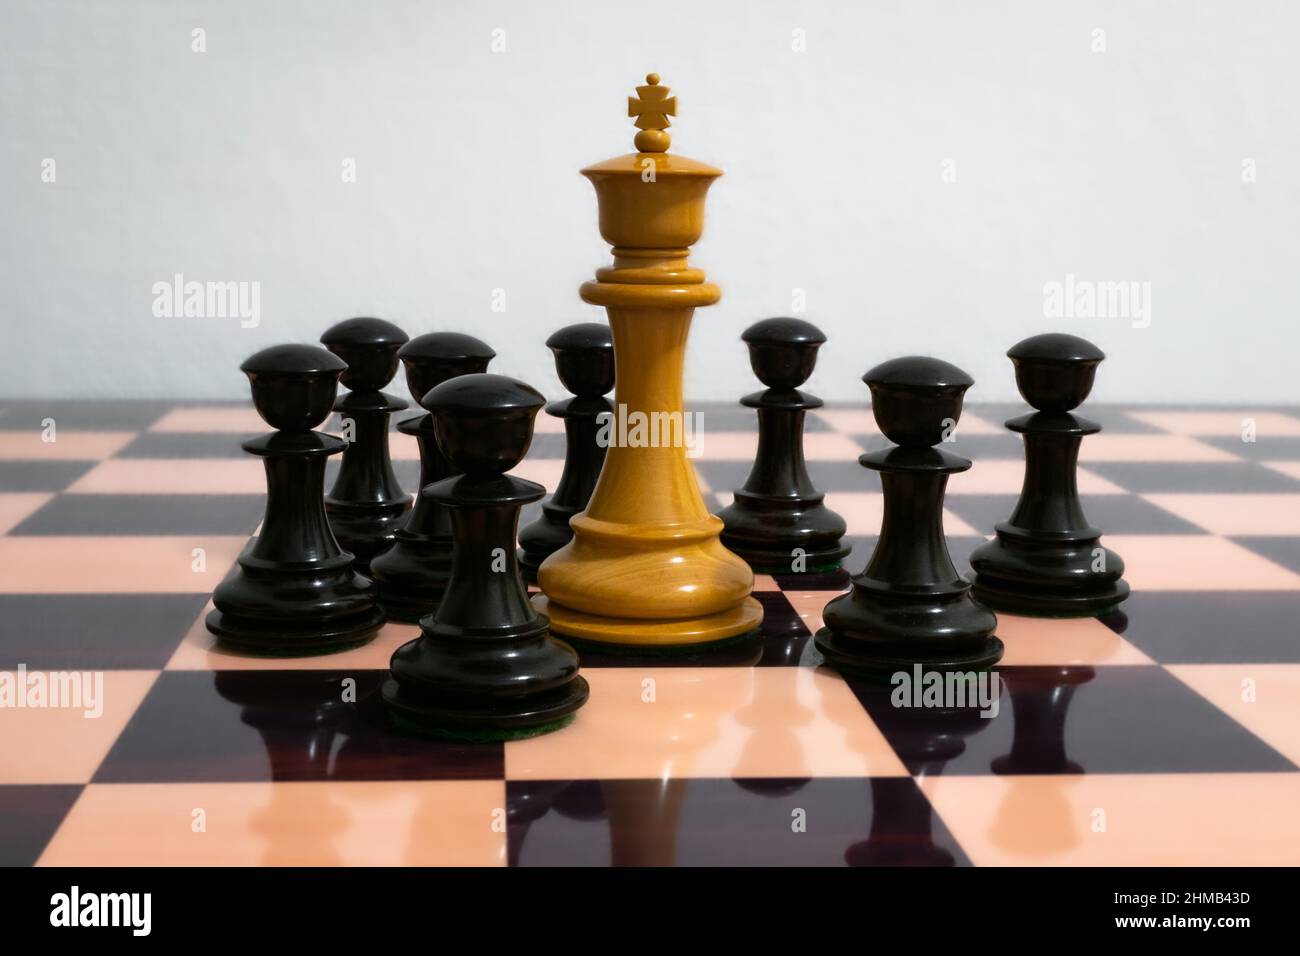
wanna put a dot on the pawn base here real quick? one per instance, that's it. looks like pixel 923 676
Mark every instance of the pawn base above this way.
pixel 411 576
pixel 365 531
pixel 1042 602
pixel 660 634
pixel 1049 578
pixel 485 720
pixel 278 639
pixel 856 656
pixel 779 560
pixel 767 535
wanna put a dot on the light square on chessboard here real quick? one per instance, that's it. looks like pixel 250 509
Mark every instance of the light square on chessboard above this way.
pixel 742 446
pixel 67 445
pixel 199 651
pixel 402 823
pixel 544 471
pixel 1235 514
pixel 1192 562
pixel 666 722
pixel 231 419
pixel 1221 424
pixel 17 505
pixel 1002 476
pixel 1263 698
pixel 1142 447
pixel 862 511
pixel 112 564
pixel 1289 468
pixel 63 744
pixel 1063 642
pixel 190 476
pixel 1178 819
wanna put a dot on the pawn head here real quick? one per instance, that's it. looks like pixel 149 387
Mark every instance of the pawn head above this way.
pixel 294 386
pixel 1055 371
pixel 917 400
pixel 436 357
pixel 584 358
pixel 369 346
pixel 782 351
pixel 484 423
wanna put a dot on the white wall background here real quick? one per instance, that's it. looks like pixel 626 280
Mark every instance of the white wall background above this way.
pixel 226 165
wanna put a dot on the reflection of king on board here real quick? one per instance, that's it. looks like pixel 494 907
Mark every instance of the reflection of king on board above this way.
pixel 645 566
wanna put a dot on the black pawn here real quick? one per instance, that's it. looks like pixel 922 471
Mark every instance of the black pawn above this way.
pixel 294 590
pixel 779 510
pixel 366 503
pixel 910 606
pixel 411 575
pixel 1047 558
pixel 584 359
pixel 484 665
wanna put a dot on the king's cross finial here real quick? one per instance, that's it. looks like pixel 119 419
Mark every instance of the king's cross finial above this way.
pixel 652 106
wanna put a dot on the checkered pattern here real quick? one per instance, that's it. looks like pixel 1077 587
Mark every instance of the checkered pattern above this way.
pixel 1168 735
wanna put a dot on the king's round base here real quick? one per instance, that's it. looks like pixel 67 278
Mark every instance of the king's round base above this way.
pixel 661 634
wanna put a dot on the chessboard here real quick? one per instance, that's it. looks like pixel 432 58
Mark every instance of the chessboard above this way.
pixel 1165 734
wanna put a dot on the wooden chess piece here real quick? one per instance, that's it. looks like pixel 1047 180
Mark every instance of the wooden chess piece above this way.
pixel 645 566
pixel 778 521
pixel 294 590
pixel 910 606
pixel 484 665
pixel 412 573
pixel 1047 558
pixel 366 504
pixel 584 359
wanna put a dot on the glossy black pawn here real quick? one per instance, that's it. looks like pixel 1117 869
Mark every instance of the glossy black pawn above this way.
pixel 294 590
pixel 484 665
pixel 910 606
pixel 778 521
pixel 584 359
pixel 366 504
pixel 412 573
pixel 1047 559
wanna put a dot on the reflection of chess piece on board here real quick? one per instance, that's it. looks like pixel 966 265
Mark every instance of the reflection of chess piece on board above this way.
pixel 1040 700
pixel 645 566
pixel 366 504
pixel 644 818
pixel 411 575
pixel 779 522
pixel 1047 559
pixel 294 590
pixel 910 606
pixel 584 360
pixel 902 820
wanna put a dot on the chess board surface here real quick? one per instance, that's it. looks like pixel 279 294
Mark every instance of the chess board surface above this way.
pixel 1169 734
